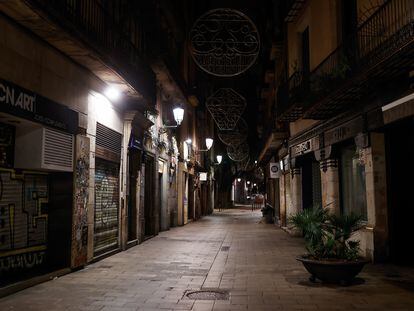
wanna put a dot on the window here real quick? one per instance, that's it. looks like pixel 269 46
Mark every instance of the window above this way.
pixel 352 178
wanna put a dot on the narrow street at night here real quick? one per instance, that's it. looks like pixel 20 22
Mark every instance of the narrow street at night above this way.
pixel 231 250
pixel 206 155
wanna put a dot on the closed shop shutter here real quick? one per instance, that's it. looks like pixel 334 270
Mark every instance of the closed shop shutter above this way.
pixel 23 221
pixel 106 206
pixel 316 185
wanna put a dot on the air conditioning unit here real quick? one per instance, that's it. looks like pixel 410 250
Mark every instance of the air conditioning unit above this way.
pixel 42 148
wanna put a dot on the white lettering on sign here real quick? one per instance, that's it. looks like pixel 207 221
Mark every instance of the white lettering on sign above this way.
pixel 20 99
pixel 305 147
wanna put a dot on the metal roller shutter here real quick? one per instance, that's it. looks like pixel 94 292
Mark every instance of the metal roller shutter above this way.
pixel 106 206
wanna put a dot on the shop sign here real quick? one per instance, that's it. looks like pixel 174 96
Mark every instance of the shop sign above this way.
pixel 135 142
pixel 274 170
pixel 203 176
pixel 305 147
pixel 345 131
pixel 28 105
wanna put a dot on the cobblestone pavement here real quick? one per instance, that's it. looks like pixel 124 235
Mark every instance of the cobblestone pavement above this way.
pixel 230 250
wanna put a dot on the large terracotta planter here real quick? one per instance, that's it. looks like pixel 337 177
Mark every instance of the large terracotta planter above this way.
pixel 332 271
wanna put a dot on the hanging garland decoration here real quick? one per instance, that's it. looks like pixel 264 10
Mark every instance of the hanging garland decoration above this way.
pixel 238 153
pixel 235 136
pixel 226 106
pixel 224 42
pixel 242 165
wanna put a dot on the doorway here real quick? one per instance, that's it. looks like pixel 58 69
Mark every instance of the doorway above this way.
pixel 311 182
pixel 399 139
pixel 149 197
pixel 190 197
pixel 134 167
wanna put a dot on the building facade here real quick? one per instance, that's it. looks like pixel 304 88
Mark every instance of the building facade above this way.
pixel 344 93
pixel 85 174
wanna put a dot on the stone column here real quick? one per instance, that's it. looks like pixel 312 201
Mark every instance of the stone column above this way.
pixel 330 185
pixel 180 193
pixel 296 192
pixel 282 200
pixel 376 192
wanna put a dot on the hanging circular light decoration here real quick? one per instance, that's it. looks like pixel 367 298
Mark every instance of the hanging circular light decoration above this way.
pixel 224 42
pixel 235 136
pixel 226 106
pixel 242 165
pixel 238 153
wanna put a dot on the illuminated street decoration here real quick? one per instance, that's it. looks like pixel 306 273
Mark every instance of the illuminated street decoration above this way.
pixel 224 42
pixel 226 106
pixel 238 153
pixel 242 165
pixel 236 136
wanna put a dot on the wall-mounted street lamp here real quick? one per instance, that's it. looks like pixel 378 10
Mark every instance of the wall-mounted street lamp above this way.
pixel 209 144
pixel 178 117
pixel 219 158
pixel 238 179
pixel 112 93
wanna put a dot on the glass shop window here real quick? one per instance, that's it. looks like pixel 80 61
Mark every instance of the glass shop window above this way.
pixel 352 175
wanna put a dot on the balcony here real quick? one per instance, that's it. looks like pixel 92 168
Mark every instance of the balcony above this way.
pixel 383 47
pixel 294 90
pixel 88 32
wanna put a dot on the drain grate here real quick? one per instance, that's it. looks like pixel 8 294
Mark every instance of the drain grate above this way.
pixel 225 248
pixel 208 295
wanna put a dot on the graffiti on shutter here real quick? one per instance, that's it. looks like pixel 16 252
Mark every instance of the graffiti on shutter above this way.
pixel 23 220
pixel 106 206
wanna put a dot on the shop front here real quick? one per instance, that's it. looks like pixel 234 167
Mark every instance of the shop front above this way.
pixel 36 183
pixel 399 150
pixel 307 185
pixel 107 190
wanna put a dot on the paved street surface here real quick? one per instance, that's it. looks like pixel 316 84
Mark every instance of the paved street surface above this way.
pixel 230 250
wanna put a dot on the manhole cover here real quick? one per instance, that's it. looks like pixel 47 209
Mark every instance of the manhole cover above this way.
pixel 208 295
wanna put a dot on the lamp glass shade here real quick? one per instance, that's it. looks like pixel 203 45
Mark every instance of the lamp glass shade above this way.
pixel 178 115
pixel 219 158
pixel 209 143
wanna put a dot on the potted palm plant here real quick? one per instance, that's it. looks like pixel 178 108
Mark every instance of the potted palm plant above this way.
pixel 332 256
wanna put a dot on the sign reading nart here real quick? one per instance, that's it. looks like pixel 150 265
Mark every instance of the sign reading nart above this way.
pixel 28 105
pixel 16 98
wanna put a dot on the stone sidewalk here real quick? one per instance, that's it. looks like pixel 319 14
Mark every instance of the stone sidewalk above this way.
pixel 230 250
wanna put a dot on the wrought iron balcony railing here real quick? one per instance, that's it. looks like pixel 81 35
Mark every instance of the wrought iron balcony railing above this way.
pixel 339 78
pixel 100 28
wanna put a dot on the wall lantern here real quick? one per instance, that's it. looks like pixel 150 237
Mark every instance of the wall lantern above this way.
pixel 178 117
pixel 209 144
pixel 219 158
pixel 239 179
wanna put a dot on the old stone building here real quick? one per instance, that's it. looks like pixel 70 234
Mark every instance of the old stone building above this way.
pixel 93 160
pixel 343 88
